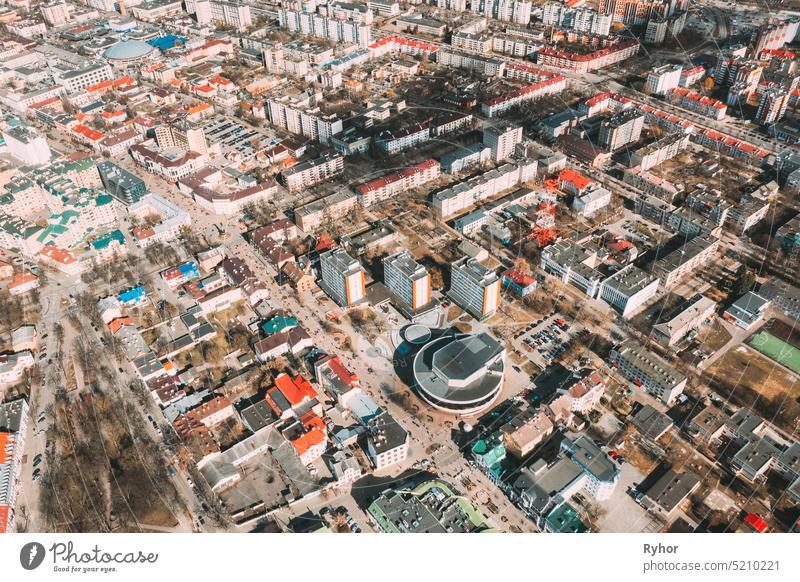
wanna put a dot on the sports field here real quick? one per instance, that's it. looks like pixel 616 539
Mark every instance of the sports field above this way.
pixel 776 349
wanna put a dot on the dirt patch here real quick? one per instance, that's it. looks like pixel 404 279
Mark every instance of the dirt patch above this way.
pixel 713 336
pixel 751 380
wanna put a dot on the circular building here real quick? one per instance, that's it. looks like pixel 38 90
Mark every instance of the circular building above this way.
pixel 417 334
pixel 460 373
pixel 128 51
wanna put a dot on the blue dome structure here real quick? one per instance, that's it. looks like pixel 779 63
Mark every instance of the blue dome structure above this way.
pixel 129 50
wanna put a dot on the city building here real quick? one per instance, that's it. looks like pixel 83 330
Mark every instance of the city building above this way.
pixel 747 311
pixel 398 182
pixel 387 442
pixel 13 430
pixel 311 172
pixel 645 369
pixel 683 261
pixel 460 373
pixel 693 101
pixel 621 129
pixel 474 287
pixel 124 186
pixel 628 289
pixel 662 79
pixel 667 494
pixel 231 13
pixel 693 313
pixel 502 139
pixel 27 145
pixel 407 281
pixel 578 18
pixel 430 507
pixel 526 431
pixel 342 277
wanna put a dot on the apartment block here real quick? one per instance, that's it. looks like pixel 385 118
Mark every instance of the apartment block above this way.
pixel 342 277
pixel 313 171
pixel 474 287
pixel 647 370
pixel 407 280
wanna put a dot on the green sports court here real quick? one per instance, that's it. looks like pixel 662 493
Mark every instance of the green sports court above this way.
pixel 777 350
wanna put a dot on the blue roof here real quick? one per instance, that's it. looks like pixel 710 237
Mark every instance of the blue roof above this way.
pixel 189 269
pixel 133 295
pixel 166 42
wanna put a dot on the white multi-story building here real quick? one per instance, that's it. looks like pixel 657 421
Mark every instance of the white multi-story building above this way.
pixel 502 139
pixel 573 264
pixel 466 193
pixel 590 202
pixel 684 260
pixel 302 117
pixel 384 7
pixel 313 171
pixel 621 129
pixel 474 287
pixel 517 11
pixel 311 24
pixel 27 145
pixel 76 79
pixel 661 79
pixel 698 310
pixel 600 472
pixel 642 367
pixel 580 19
pixel 397 182
pixel 231 13
pixel 407 280
pixel 387 443
pixel 628 289
pixel 56 13
pixel 342 277
pixel 395 141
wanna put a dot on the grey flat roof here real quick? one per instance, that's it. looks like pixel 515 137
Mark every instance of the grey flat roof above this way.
pixel 591 458
pixel 672 488
pixel 463 359
pixel 650 422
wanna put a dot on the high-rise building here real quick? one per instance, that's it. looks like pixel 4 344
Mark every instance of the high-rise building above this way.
pixel 231 13
pixel 579 19
pixel 638 12
pixel 772 106
pixel 27 145
pixel 201 10
pixel 56 13
pixel 502 139
pixel 342 277
pixel 621 129
pixel 335 29
pixel 662 79
pixel 474 287
pixel 407 280
pixel 184 135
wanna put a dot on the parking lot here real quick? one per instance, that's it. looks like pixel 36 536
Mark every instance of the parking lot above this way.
pixel 544 340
